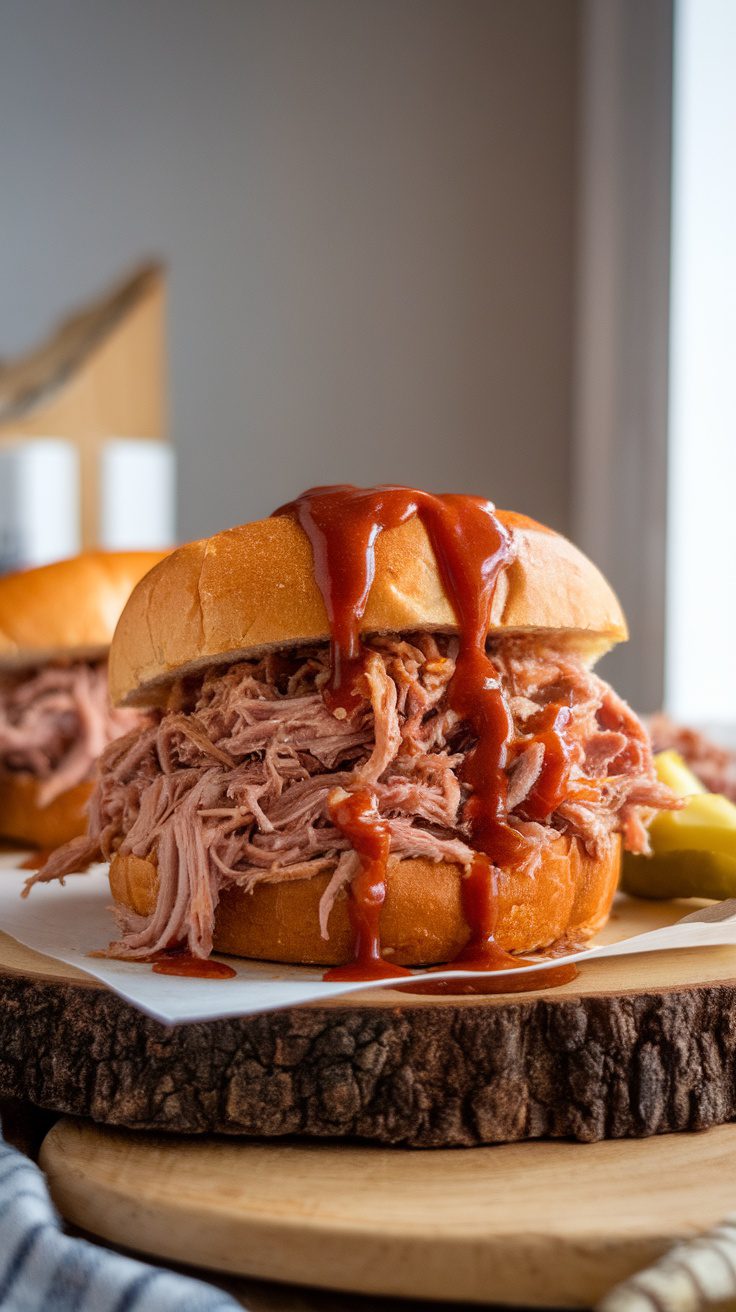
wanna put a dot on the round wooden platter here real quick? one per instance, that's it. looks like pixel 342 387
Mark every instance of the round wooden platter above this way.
pixel 634 1047
pixel 534 1224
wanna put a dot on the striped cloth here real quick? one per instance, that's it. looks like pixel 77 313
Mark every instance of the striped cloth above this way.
pixel 44 1270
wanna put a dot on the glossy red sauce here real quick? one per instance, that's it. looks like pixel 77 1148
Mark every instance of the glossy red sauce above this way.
pixel 183 963
pixel 472 548
pixel 480 911
pixel 549 977
pixel 553 783
pixel 343 524
pixel 357 818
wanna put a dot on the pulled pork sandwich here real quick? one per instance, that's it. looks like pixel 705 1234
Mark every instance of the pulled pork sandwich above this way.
pixel 56 623
pixel 379 742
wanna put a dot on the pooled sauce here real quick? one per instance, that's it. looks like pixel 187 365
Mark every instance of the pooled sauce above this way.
pixel 183 963
pixel 547 977
pixel 471 547
pixel 356 817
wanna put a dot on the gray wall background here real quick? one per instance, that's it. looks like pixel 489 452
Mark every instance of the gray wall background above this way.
pixel 367 208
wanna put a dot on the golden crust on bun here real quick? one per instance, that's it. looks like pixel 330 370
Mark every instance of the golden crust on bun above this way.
pixel 252 589
pixel 421 920
pixel 67 610
pixel 60 613
pixel 24 821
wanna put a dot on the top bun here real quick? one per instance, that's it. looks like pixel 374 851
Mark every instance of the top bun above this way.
pixel 68 610
pixel 252 589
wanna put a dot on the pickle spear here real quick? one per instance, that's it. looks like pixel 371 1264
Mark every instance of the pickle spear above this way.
pixel 693 850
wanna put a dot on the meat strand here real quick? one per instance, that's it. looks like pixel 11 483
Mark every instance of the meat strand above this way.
pixel 233 785
pixel 55 722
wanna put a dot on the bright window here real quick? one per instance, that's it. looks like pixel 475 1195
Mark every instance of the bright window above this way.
pixel 701 601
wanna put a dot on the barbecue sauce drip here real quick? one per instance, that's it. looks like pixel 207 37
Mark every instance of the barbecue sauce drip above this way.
pixel 482 953
pixel 480 910
pixel 343 524
pixel 553 783
pixel 356 816
pixel 472 548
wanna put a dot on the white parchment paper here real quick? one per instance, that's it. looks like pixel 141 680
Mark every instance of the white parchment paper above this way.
pixel 69 922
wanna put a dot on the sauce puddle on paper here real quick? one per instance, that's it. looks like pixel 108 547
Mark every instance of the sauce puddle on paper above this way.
pixel 183 963
pixel 548 977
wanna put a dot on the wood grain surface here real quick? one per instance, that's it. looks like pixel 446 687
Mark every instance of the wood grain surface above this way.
pixel 634 1047
pixel 546 1224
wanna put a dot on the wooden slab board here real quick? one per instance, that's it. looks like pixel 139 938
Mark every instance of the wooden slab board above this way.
pixel 534 1224
pixel 632 1048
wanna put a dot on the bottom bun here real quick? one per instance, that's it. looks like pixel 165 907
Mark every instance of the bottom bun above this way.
pixel 23 820
pixel 422 920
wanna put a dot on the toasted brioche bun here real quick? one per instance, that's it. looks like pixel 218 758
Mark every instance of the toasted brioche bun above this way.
pixel 24 821
pixel 422 920
pixel 252 589
pixel 68 610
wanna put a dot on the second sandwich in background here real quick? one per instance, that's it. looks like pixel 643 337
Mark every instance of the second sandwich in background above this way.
pixel 56 625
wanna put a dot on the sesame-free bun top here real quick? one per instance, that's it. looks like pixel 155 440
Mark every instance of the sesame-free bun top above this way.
pixel 252 589
pixel 67 610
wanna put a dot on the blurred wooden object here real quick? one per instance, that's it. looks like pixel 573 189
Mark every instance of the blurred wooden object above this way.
pixel 521 1225
pixel 101 373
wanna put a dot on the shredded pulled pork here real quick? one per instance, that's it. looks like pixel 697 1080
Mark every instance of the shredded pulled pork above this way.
pixel 55 722
pixel 232 785
pixel 714 765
